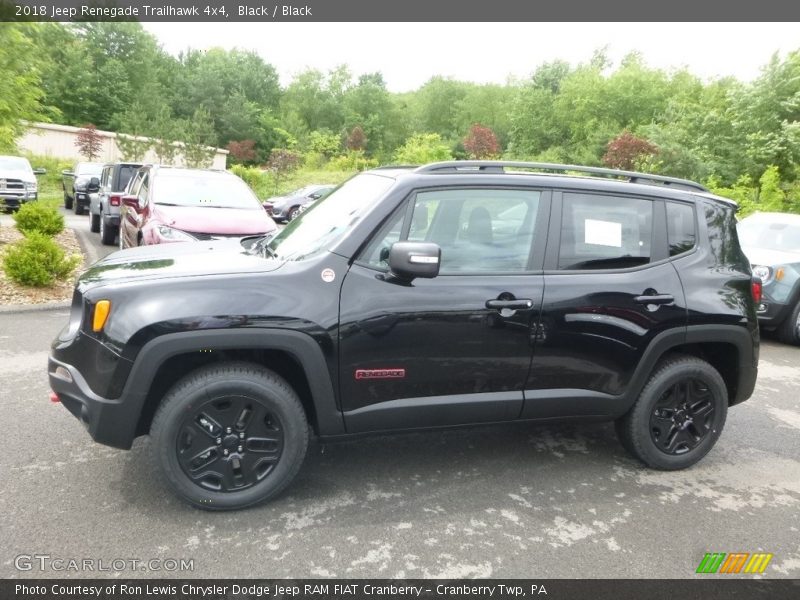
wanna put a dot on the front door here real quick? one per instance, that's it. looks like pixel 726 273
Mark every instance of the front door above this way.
pixel 454 349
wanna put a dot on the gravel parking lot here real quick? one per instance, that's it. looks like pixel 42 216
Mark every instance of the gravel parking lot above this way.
pixel 518 501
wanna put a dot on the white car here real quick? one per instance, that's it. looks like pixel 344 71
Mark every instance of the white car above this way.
pixel 17 182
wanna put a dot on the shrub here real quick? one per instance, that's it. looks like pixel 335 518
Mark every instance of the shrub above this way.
pixel 35 217
pixel 352 161
pixel 38 261
pixel 421 149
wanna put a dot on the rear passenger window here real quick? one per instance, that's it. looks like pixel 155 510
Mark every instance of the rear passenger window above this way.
pixel 604 232
pixel 681 228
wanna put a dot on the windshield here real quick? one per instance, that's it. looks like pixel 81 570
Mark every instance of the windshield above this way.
pixel 770 235
pixel 203 188
pixel 321 226
pixel 14 163
pixel 89 169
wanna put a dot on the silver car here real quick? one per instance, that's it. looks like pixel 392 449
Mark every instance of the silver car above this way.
pixel 771 242
pixel 104 204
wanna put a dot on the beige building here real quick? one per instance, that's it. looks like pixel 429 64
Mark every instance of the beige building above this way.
pixel 58 141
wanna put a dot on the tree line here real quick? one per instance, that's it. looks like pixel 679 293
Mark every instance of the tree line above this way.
pixel 117 77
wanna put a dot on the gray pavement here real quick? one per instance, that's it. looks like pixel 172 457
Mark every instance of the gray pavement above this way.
pixel 511 501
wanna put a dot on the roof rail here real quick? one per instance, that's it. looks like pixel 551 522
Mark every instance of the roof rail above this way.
pixel 499 166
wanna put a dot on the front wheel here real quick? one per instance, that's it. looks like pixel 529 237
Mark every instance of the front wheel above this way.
pixel 67 201
pixel 94 227
pixel 789 330
pixel 293 214
pixel 229 435
pixel 679 415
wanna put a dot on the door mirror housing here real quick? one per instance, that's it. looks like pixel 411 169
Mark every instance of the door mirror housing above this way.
pixel 40 171
pixel 409 260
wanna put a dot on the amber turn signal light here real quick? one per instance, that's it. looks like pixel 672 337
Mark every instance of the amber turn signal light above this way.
pixel 101 310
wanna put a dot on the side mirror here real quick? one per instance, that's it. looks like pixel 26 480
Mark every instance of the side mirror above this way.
pixel 67 173
pixel 409 260
pixel 40 171
pixel 131 202
pixel 315 196
pixel 94 184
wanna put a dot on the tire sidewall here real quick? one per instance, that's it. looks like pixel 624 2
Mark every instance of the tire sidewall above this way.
pixel 199 392
pixel 656 387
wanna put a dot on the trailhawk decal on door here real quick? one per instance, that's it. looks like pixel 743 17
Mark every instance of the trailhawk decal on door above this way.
pixel 380 374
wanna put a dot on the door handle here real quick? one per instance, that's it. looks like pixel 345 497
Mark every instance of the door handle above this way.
pixel 518 304
pixel 655 299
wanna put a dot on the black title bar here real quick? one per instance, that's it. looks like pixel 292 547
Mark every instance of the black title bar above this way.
pixel 401 11
pixel 711 588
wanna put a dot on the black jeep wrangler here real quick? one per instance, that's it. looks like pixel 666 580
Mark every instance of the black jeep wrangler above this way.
pixel 451 294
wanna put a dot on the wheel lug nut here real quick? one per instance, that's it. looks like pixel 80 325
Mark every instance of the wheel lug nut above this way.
pixel 225 452
pixel 219 441
pixel 241 436
pixel 228 430
pixel 240 448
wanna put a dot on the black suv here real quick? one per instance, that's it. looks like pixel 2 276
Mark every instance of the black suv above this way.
pixel 451 294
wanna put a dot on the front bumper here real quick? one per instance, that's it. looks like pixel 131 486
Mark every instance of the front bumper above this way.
pixel 109 422
pixel 772 314
pixel 16 200
pixel 82 198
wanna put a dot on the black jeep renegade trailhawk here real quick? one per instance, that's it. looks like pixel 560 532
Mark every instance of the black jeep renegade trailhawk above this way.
pixel 451 294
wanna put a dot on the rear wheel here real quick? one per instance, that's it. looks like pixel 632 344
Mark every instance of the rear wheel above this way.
pixel 293 213
pixel 679 415
pixel 107 233
pixel 230 435
pixel 789 330
pixel 94 227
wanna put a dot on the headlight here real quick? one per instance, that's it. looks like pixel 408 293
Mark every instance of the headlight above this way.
pixel 762 272
pixel 30 187
pixel 174 235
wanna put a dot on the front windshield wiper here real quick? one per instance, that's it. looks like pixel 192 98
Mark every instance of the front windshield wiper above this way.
pixel 262 245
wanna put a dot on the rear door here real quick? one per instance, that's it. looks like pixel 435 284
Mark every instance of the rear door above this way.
pixel 456 348
pixel 609 291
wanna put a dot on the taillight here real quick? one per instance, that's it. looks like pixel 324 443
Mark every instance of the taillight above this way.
pixel 114 200
pixel 756 289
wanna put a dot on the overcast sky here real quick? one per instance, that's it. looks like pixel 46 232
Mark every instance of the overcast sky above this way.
pixel 408 54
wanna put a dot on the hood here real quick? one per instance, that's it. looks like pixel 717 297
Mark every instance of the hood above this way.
pixel 186 259
pixel 276 200
pixel 770 258
pixel 207 219
pixel 22 174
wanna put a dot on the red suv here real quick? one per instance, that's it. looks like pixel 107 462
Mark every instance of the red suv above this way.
pixel 169 204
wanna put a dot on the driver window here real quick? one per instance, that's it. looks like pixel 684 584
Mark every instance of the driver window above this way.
pixel 478 230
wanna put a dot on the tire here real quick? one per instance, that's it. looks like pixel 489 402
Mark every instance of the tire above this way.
pixel 789 330
pixel 94 226
pixel 107 233
pixel 78 208
pixel 659 431
pixel 67 201
pixel 293 212
pixel 198 428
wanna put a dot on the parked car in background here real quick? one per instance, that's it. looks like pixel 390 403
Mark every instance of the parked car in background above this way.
pixel 286 208
pixel 772 243
pixel 83 180
pixel 104 204
pixel 17 182
pixel 169 204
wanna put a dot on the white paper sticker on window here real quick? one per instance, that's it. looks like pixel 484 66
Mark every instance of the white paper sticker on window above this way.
pixel 603 233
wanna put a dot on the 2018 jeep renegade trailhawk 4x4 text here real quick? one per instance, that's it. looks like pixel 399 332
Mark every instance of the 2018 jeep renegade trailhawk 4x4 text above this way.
pixel 451 294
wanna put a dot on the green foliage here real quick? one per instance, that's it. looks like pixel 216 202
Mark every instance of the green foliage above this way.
pixel 421 149
pixel 744 192
pixel 199 140
pixel 22 93
pixel 354 160
pixel 324 142
pixel 771 197
pixel 38 261
pixel 166 131
pixel 134 125
pixel 260 181
pixel 33 217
